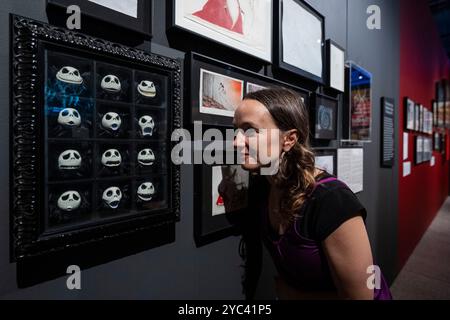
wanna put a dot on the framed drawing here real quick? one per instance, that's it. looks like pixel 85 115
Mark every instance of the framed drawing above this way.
pixel 435 113
pixel 244 25
pixel 221 194
pixel 326 160
pixel 417 118
pixel 299 39
pixel 419 144
pixel 437 141
pixel 409 114
pixel 357 110
pixel 421 119
pixel 95 125
pixel 134 15
pixel 324 117
pixel 215 89
pixel 335 65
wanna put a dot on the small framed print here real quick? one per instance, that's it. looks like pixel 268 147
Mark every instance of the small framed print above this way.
pixel 435 114
pixel 216 89
pixel 421 119
pixel 221 193
pixel 437 142
pixel 326 160
pixel 324 117
pixel 335 66
pixel 299 45
pixel 419 150
pixel 409 114
pixel 133 15
pixel 417 118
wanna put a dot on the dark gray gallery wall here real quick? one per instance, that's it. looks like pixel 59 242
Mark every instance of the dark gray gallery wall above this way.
pixel 179 270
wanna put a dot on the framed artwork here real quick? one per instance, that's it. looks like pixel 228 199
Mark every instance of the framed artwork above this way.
pixel 335 65
pixel 244 25
pixel 95 126
pixel 435 114
pixel 417 118
pixel 326 160
pixel 409 114
pixel 357 119
pixel 437 141
pixel 221 194
pixel 421 119
pixel 419 150
pixel 299 39
pixel 134 15
pixel 215 89
pixel 324 117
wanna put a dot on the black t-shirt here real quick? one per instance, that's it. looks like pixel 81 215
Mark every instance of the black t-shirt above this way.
pixel 329 206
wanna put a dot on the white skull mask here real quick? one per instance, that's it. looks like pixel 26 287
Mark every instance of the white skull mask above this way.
pixel 147 89
pixel 147 125
pixel 146 191
pixel 69 75
pixel 111 121
pixel 112 197
pixel 111 158
pixel 146 157
pixel 69 201
pixel 69 160
pixel 111 83
pixel 69 117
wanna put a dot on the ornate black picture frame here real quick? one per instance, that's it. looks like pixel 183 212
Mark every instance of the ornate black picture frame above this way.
pixel 139 19
pixel 74 96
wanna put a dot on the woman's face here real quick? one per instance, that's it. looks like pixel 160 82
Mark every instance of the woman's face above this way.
pixel 259 139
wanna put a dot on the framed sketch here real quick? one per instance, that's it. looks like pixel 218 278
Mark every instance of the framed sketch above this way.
pixel 221 194
pixel 409 114
pixel 299 45
pixel 417 118
pixel 421 119
pixel 244 25
pixel 326 160
pixel 96 127
pixel 435 113
pixel 335 65
pixel 215 89
pixel 324 117
pixel 437 141
pixel 357 109
pixel 419 149
pixel 134 15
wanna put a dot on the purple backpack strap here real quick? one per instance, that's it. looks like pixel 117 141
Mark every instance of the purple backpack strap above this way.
pixel 324 181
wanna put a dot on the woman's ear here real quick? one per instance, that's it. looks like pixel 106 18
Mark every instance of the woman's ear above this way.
pixel 290 139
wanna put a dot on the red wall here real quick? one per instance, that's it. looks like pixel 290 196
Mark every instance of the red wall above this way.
pixel 423 61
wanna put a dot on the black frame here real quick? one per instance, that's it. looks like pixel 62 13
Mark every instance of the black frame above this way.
pixel 31 40
pixel 142 24
pixel 330 43
pixel 278 42
pixel 407 102
pixel 385 134
pixel 328 152
pixel 209 228
pixel 331 103
pixel 195 62
pixel 171 25
pixel 419 152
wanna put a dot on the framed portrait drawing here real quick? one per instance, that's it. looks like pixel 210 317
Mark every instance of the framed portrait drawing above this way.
pixel 134 15
pixel 244 25
pixel 417 118
pixel 324 117
pixel 299 45
pixel 409 114
pixel 335 66
pixel 221 194
pixel 326 160
pixel 215 89
pixel 96 127
pixel 357 109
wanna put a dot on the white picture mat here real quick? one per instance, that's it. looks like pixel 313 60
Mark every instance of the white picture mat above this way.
pixel 406 169
pixel 351 168
pixel 302 38
pixel 257 42
pixel 405 146
pixel 325 163
pixel 217 112
pixel 127 7
pixel 337 68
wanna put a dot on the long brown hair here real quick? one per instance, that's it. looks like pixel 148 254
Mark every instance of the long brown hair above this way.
pixel 297 167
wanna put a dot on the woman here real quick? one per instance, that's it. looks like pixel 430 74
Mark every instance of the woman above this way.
pixel 311 223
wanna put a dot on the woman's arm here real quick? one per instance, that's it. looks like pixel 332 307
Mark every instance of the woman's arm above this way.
pixel 349 255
